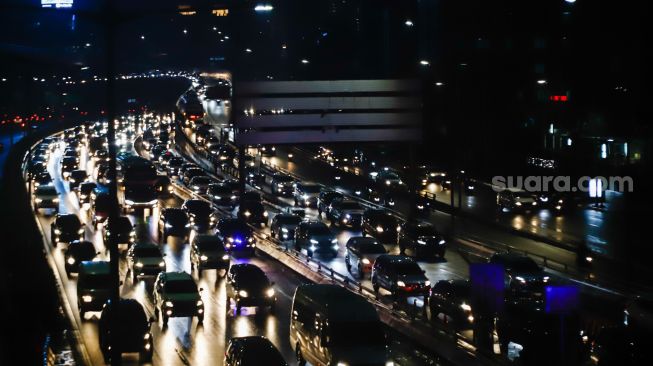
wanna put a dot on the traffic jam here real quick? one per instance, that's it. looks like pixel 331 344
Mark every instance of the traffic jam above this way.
pixel 199 253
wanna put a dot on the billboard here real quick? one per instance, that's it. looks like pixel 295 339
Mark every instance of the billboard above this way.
pixel 62 4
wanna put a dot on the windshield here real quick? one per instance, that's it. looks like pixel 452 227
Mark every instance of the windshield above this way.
pixel 288 220
pixel 181 287
pixel 350 206
pixel 220 189
pixel 310 189
pixel 355 334
pixel 319 230
pixel 524 264
pixel 95 281
pixel 407 268
pixel 425 231
pixel 147 252
pixel 283 178
pixel 251 277
pixel 211 244
pixel 372 248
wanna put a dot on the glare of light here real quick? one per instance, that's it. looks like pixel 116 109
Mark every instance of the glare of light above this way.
pixel 625 149
pixel 88 45
pixel 185 31
pixel 4 79
pixel 551 129
pixel 604 151
pixel 248 50
pixel 304 61
pixel 424 63
pixel 439 83
pixel 284 46
pixel 142 36
pixel 215 28
pixel 263 8
pixel 409 23
pixel 570 1
pixel 541 82
pixel 569 141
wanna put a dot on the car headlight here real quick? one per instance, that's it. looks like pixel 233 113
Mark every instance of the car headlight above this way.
pixel 545 279
pixel 87 298
pixel 284 230
pixel 313 241
pixel 80 231
pixel 269 292
pixel 83 196
pixel 379 229
pixel 169 304
pixel 387 182
pixel 242 293
pixel 427 283
pixel 534 203
pixel 132 233
pixel 305 196
pixel 334 241
pixel 420 241
pixel 348 216
pixel 390 363
pixel 420 207
pixel 441 242
pixel 57 231
pixel 230 239
pixel 517 203
pixel 247 214
pixel 162 264
pixel 401 284
pixel 366 261
pixel 520 279
pixel 233 197
pixel 250 239
pixel 72 180
pixel 200 303
pixel 342 364
pixel 225 257
pixel 265 213
pixel 71 261
pixel 204 258
pixel 465 307
pixel 38 200
pixel 147 336
pixel 139 264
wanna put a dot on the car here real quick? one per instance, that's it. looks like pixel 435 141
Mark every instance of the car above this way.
pixel 94 284
pixel 78 251
pixel 173 166
pixel 423 205
pixel 255 179
pixel 221 194
pixel 199 184
pixel 208 252
pixel 69 152
pixel 281 184
pixel 84 191
pixel 524 279
pixel 46 197
pixel 76 178
pixel 516 200
pixel 386 177
pixel 101 155
pixel 200 214
pixel 346 213
pixel 122 229
pixel 157 151
pixel 149 143
pixel 249 351
pixel 452 299
pixel 221 154
pixel 186 166
pixel 248 285
pixel 164 158
pixel 400 275
pixel 421 240
pixel 325 199
pixel 35 168
pixel 267 150
pixel 316 238
pixel 236 235
pixel 145 259
pixel 68 164
pixel 202 135
pixel 252 212
pixel 176 295
pixel 100 205
pixel 42 179
pixel 173 222
pixel 306 194
pixel 163 186
pixel 283 226
pixel 251 196
pixel 130 327
pixel 344 324
pixel 96 144
pixel 211 141
pixel 66 228
pixel 189 174
pixel 360 254
pixel 381 225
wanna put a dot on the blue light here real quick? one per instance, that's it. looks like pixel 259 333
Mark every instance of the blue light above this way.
pixel 60 4
pixel 561 299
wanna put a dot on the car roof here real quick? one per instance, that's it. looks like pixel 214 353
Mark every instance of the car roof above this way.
pixel 338 303
pixel 395 259
pixel 145 245
pixel 177 276
pixel 95 267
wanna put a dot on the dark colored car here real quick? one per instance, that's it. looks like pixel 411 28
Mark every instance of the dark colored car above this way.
pixel 192 173
pixel 208 252
pixel 145 259
pixel 452 299
pixel 255 179
pixel 236 235
pixel 199 184
pixel 325 199
pixel 281 184
pixel 157 151
pixel 200 214
pixel 345 213
pixel 76 178
pixel 251 196
pixel 78 251
pixel 400 275
pixel 248 285
pixel 165 158
pixel 46 197
pixel 163 186
pixel 316 238
pixel 84 192
pixel 421 240
pixel 173 166
pixel 66 228
pixel 132 330
pixel 68 164
pixel 249 351
pixel 283 226
pixel 173 222
pixel 222 194
pixel 381 225
pixel 305 194
pixel 524 279
pixel 361 252
pixel 252 212
pixel 176 295
pixel 123 230
pixel 42 179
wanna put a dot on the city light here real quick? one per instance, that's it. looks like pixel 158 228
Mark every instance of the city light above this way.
pixel 304 61
pixel 541 82
pixel 409 23
pixel 424 63
pixel 263 8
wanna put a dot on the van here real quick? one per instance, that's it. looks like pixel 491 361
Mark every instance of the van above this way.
pixel 93 286
pixel 331 326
